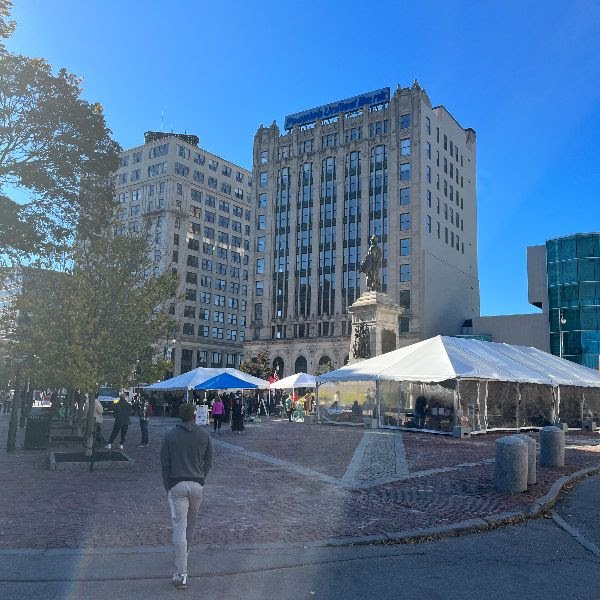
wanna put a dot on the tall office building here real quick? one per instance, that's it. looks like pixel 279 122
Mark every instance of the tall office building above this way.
pixel 397 168
pixel 198 210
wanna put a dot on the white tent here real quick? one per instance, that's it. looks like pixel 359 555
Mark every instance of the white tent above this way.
pixel 449 359
pixel 445 358
pixel 299 380
pixel 189 380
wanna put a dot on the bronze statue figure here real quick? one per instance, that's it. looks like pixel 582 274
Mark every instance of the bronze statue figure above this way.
pixel 362 342
pixel 370 266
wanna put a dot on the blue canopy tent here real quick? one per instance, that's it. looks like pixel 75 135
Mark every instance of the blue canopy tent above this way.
pixel 226 381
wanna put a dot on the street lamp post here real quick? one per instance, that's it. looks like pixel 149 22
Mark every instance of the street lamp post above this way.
pixel 561 321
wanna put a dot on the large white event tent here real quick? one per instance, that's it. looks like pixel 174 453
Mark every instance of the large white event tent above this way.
pixel 299 380
pixel 191 379
pixel 451 359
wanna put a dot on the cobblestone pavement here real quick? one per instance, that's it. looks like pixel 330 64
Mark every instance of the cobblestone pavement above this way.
pixel 276 482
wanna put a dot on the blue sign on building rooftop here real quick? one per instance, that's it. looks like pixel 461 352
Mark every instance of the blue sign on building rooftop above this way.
pixel 336 108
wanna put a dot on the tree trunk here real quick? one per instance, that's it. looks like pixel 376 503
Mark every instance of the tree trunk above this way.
pixel 90 425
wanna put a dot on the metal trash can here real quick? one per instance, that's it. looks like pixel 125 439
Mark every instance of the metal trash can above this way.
pixel 37 432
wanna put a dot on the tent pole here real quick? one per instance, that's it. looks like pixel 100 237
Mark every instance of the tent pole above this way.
pixel 317 402
pixel 378 402
pixel 479 407
pixel 582 405
pixel 518 411
pixel 558 404
pixel 485 407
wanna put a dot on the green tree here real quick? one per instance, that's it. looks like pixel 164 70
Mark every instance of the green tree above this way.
pixel 53 145
pixel 322 369
pixel 101 322
pixel 259 366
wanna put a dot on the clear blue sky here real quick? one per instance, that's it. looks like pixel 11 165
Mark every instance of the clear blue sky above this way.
pixel 524 74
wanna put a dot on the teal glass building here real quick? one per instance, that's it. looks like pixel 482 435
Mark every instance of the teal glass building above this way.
pixel 573 268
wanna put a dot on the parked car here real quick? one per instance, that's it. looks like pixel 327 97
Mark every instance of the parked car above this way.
pixel 108 397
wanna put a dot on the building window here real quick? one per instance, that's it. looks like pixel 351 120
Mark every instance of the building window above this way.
pixel 263 179
pixel 405 247
pixel 404 171
pixel 428 174
pixel 428 125
pixel 404 196
pixel 404 221
pixel 259 289
pixel 428 223
pixel 260 266
pixel 403 324
pixel 405 272
pixel 262 201
pixel 260 243
pixel 262 222
pixel 405 121
pixel 405 147
pixel 264 157
pixel 405 299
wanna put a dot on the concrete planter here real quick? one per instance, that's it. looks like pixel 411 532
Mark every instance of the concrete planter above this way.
pixel 461 432
pixel 59 461
pixel 589 425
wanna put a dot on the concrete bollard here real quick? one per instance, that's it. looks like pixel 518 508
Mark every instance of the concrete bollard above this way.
pixel 510 472
pixel 552 447
pixel 531 458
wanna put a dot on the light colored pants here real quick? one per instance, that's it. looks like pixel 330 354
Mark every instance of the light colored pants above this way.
pixel 184 499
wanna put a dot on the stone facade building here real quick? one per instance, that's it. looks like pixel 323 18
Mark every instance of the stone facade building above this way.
pixel 197 211
pixel 395 167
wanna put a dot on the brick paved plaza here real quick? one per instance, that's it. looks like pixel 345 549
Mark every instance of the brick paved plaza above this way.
pixel 276 482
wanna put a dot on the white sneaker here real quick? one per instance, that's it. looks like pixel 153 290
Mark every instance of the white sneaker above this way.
pixel 179 580
pixel 120 446
pixel 108 446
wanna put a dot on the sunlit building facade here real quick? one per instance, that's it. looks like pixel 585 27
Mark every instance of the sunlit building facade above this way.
pixel 196 209
pixel 395 167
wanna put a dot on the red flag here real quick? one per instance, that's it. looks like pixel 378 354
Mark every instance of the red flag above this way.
pixel 275 377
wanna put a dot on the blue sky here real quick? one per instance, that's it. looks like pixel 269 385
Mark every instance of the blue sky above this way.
pixel 525 75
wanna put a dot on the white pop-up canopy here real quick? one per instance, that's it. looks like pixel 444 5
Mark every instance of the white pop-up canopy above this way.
pixel 191 379
pixel 299 380
pixel 445 358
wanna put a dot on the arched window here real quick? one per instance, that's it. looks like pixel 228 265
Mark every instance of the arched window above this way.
pixel 300 366
pixel 278 366
pixel 347 359
pixel 325 360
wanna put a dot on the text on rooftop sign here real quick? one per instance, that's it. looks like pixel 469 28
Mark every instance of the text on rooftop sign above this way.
pixel 337 108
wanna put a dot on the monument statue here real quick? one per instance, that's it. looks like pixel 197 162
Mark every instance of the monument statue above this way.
pixel 362 341
pixel 370 266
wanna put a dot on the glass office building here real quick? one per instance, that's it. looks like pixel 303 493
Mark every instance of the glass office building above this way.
pixel 573 267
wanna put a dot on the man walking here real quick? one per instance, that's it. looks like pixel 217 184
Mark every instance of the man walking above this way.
pixel 186 457
pixel 122 412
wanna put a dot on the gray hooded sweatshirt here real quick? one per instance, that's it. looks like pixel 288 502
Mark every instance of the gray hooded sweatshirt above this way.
pixel 186 454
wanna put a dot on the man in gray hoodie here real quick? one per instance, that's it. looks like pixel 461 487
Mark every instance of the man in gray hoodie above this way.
pixel 186 457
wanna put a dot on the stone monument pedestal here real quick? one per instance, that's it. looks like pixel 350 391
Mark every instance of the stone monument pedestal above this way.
pixel 375 326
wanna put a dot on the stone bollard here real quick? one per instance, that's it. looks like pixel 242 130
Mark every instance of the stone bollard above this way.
pixel 531 458
pixel 510 472
pixel 552 447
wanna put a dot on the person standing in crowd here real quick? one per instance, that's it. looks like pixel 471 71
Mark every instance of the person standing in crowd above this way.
pixel 98 410
pixel 218 412
pixel 237 416
pixel 122 416
pixel 186 457
pixel 146 411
